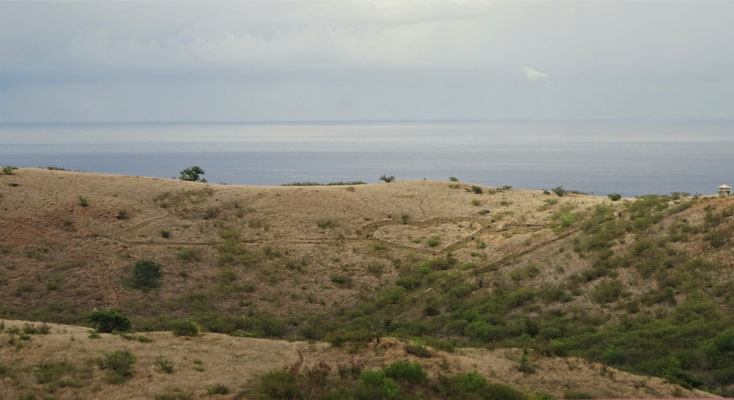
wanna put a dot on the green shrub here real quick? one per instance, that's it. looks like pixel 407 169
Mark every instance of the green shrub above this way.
pixel 433 241
pixel 418 351
pixel 375 385
pixel 559 191
pixel 108 321
pixel 83 201
pixel 145 274
pixel 174 394
pixel 524 365
pixel 340 279
pixel 189 255
pixel 191 174
pixel 122 214
pixel 165 365
pixel 327 223
pixel 185 328
pixel 136 338
pixel 50 372
pixel 453 179
pixel 387 179
pixel 119 366
pixel 8 170
pixel 375 268
pixel 409 282
pixel 406 371
pixel 441 263
pixel 607 291
pixel 165 234
pixel 217 389
pixel 31 329
pixel 614 196
pixel 279 384
pixel 574 394
pixel 717 239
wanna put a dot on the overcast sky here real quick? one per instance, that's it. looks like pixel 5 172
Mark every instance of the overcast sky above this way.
pixel 365 60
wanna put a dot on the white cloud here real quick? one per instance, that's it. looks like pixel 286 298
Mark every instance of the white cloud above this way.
pixel 534 75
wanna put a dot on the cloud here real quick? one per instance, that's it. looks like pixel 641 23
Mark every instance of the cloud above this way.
pixel 533 75
pixel 363 59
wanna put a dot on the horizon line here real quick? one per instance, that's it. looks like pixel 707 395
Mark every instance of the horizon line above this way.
pixel 362 121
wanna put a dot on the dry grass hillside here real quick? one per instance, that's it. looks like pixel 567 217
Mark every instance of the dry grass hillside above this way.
pixel 63 364
pixel 63 259
pixel 515 284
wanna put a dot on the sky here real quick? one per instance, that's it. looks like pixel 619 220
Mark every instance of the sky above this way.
pixel 365 60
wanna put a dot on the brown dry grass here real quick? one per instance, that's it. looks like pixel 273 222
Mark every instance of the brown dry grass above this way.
pixel 234 362
pixel 87 251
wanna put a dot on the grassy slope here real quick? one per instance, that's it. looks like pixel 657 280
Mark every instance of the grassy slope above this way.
pixel 650 292
pixel 62 364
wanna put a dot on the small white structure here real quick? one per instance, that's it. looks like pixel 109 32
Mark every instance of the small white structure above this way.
pixel 724 190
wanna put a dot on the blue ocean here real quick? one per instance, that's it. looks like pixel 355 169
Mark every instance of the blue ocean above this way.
pixel 627 157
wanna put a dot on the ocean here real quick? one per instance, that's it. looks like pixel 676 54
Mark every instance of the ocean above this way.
pixel 600 157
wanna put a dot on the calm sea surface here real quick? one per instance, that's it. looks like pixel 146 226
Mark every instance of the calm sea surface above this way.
pixel 628 157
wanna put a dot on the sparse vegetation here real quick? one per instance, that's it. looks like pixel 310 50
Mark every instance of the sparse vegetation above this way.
pixel 83 201
pixel 387 179
pixel 418 351
pixel 185 328
pixel 189 255
pixel 326 223
pixel 174 394
pixel 119 366
pixel 339 183
pixel 8 170
pixel 398 381
pixel 433 241
pixel 640 284
pixel 341 279
pixel 122 214
pixel 217 389
pixel 164 365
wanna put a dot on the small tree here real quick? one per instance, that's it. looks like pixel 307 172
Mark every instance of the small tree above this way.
pixel 387 179
pixel 614 196
pixel 146 274
pixel 192 173
pixel 559 191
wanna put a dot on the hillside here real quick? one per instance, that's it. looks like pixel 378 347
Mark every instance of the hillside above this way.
pixel 62 364
pixel 645 285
